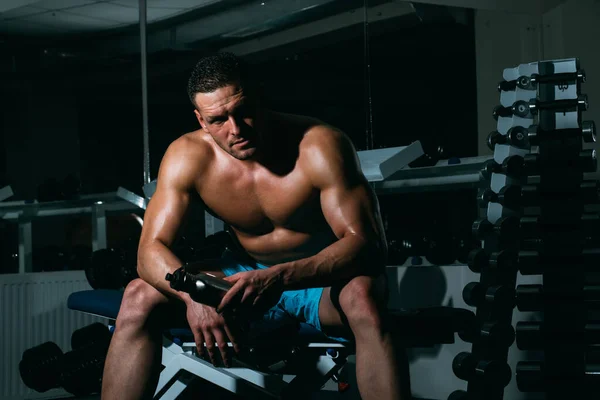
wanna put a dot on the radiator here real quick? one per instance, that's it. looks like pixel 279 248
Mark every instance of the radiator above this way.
pixel 33 311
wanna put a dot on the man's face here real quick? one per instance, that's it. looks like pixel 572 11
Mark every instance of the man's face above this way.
pixel 230 118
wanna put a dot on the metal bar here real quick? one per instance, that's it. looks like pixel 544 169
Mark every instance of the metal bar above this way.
pixel 212 225
pixel 132 198
pixel 143 52
pixel 98 227
pixel 5 193
pixel 427 183
pixel 15 214
pixel 25 246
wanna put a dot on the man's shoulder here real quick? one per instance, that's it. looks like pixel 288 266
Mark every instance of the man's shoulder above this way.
pixel 324 139
pixel 190 147
pixel 186 159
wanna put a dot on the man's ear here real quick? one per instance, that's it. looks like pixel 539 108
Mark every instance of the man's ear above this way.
pixel 200 120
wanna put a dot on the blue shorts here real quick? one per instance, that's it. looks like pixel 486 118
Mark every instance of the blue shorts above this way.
pixel 302 305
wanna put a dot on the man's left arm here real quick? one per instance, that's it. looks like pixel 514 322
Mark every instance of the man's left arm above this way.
pixel 351 209
pixel 329 161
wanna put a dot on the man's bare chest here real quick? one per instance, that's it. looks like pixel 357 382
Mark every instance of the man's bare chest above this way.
pixel 259 204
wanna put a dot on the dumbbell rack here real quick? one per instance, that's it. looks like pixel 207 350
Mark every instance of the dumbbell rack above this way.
pixel 534 223
pixel 556 249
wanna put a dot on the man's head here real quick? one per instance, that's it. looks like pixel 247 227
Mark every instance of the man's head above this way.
pixel 226 106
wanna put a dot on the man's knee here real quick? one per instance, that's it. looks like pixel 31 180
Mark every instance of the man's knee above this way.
pixel 140 299
pixel 362 301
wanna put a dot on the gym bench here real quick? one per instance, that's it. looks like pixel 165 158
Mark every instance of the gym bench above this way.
pixel 286 359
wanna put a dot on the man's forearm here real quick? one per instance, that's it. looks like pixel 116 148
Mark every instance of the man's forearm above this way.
pixel 346 258
pixel 155 260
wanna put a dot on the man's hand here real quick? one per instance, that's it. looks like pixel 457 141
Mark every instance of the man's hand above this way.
pixel 252 290
pixel 213 329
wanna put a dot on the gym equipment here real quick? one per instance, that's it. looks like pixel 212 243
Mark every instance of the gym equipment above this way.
pixel 535 335
pixel 535 376
pixel 90 335
pixel 526 109
pixel 538 168
pixel 498 297
pixel 533 297
pixel 530 82
pixel 105 270
pixel 513 166
pixel 542 106
pixel 78 371
pixel 516 136
pixel 587 132
pixel 41 366
pixel 293 358
pixel 6 192
pixel 494 373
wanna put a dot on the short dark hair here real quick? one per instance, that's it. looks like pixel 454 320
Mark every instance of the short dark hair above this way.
pixel 216 71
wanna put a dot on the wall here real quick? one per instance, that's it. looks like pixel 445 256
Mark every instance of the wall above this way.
pixel 40 129
pixel 504 40
pixel 572 30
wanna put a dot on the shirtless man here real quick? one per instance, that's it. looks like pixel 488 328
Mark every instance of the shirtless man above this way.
pixel 292 191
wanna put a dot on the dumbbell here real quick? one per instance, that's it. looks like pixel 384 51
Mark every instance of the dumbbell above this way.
pixel 83 368
pixel 581 103
pixel 533 335
pixel 512 166
pixel 526 109
pixel 90 335
pixel 104 270
pixel 586 161
pixel 464 246
pixel 531 377
pixel 522 82
pixel 533 297
pixel 516 136
pixel 495 373
pixel 504 227
pixel 502 263
pixel 500 297
pixel 40 367
pixel 558 78
pixel 492 334
pixel 587 131
pixel 511 196
pixel 458 395
pixel 530 82
pixel 534 226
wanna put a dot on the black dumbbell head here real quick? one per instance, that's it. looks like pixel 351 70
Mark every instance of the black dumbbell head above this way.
pixel 477 259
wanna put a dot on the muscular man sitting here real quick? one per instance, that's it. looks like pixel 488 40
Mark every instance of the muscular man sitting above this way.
pixel 292 191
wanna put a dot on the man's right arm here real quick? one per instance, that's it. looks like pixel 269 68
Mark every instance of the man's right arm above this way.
pixel 165 213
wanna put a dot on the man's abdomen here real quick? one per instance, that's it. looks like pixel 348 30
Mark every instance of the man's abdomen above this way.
pixel 281 244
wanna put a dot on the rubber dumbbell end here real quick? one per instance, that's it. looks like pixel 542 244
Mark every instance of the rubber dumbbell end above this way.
pixel 588 131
